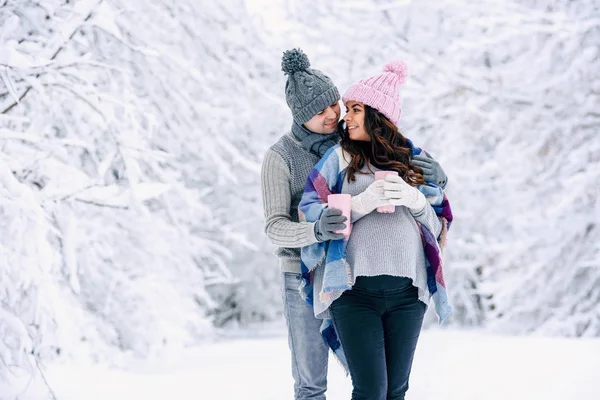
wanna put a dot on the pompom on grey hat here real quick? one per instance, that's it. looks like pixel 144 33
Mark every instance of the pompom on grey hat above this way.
pixel 307 91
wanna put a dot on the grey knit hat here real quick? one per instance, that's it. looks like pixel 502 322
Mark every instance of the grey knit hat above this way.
pixel 307 90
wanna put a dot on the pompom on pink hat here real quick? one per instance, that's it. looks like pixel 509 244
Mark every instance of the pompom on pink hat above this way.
pixel 382 91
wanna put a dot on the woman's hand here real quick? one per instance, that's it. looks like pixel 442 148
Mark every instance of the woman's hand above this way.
pixel 400 193
pixel 367 201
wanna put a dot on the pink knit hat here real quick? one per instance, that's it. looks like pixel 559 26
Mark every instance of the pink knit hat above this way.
pixel 382 91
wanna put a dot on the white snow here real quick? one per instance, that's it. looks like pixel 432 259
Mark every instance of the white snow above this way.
pixel 449 364
pixel 130 203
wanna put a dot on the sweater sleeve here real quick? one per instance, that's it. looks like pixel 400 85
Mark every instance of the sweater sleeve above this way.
pixel 277 199
pixel 437 206
pixel 429 219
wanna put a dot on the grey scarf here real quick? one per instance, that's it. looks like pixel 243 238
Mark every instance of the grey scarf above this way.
pixel 314 142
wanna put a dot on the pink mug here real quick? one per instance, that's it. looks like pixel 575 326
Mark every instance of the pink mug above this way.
pixel 379 175
pixel 341 202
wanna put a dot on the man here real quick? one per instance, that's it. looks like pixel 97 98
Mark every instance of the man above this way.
pixel 314 102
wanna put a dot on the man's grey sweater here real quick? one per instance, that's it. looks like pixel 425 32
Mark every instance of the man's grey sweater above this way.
pixel 284 171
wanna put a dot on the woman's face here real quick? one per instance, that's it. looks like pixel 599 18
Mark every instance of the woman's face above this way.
pixel 355 121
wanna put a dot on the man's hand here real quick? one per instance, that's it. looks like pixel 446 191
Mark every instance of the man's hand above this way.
pixel 331 220
pixel 432 171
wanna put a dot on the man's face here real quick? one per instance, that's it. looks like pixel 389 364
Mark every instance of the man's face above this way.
pixel 325 121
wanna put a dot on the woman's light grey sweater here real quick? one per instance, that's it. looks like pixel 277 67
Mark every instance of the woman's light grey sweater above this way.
pixel 384 244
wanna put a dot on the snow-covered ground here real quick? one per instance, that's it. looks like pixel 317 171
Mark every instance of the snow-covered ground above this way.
pixel 449 364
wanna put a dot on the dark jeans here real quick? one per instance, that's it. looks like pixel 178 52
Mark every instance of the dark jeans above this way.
pixel 378 323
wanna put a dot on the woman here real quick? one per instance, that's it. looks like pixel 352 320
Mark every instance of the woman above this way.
pixel 391 261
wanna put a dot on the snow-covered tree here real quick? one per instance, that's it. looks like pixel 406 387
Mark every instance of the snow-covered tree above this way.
pixel 126 146
pixel 132 135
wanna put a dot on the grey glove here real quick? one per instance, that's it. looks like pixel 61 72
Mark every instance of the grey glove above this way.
pixel 432 171
pixel 331 220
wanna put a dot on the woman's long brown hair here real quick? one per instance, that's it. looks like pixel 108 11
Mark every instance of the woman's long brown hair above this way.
pixel 387 149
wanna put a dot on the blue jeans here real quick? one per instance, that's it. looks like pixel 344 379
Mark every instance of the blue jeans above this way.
pixel 309 352
pixel 378 323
